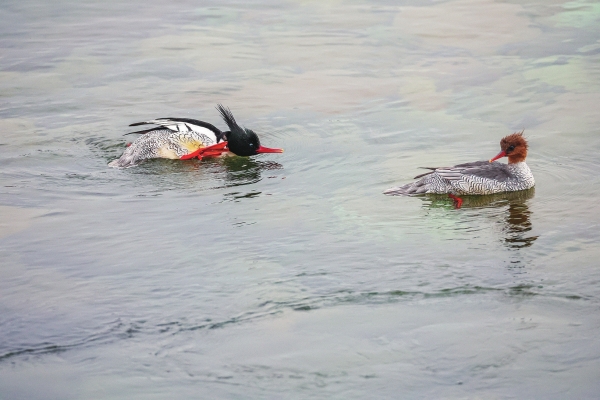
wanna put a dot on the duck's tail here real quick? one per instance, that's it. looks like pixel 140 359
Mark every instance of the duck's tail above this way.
pixel 124 162
pixel 130 158
pixel 410 189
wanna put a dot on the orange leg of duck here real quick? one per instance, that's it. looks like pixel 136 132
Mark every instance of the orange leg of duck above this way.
pixel 213 151
pixel 209 151
pixel 457 200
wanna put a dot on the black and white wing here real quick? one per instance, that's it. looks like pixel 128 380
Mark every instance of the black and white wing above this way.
pixel 481 177
pixel 494 171
pixel 182 125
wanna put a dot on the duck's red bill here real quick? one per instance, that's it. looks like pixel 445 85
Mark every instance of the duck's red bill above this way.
pixel 500 155
pixel 263 149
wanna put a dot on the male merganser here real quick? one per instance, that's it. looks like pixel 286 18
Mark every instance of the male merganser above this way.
pixel 479 177
pixel 184 138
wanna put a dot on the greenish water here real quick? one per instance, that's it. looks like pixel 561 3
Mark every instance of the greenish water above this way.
pixel 291 273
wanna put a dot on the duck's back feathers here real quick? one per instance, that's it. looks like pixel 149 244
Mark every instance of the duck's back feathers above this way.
pixel 181 125
pixel 482 169
pixel 479 177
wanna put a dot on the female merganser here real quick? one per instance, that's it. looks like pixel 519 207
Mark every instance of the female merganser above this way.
pixel 183 138
pixel 479 177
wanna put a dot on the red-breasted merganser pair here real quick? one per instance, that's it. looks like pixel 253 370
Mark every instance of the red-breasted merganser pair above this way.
pixel 476 178
pixel 183 138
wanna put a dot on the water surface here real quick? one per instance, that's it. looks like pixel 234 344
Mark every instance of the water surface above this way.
pixel 292 273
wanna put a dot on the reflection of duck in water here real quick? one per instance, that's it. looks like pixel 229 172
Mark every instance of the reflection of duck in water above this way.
pixel 517 222
pixel 183 138
pixel 484 201
pixel 244 171
pixel 477 178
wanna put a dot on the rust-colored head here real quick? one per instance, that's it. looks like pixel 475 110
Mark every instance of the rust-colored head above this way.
pixel 514 147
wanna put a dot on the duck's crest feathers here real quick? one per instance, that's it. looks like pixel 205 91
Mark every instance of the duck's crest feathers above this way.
pixel 227 116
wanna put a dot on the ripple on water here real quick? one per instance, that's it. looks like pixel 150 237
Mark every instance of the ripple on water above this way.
pixel 125 330
pixel 571 177
pixel 116 330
